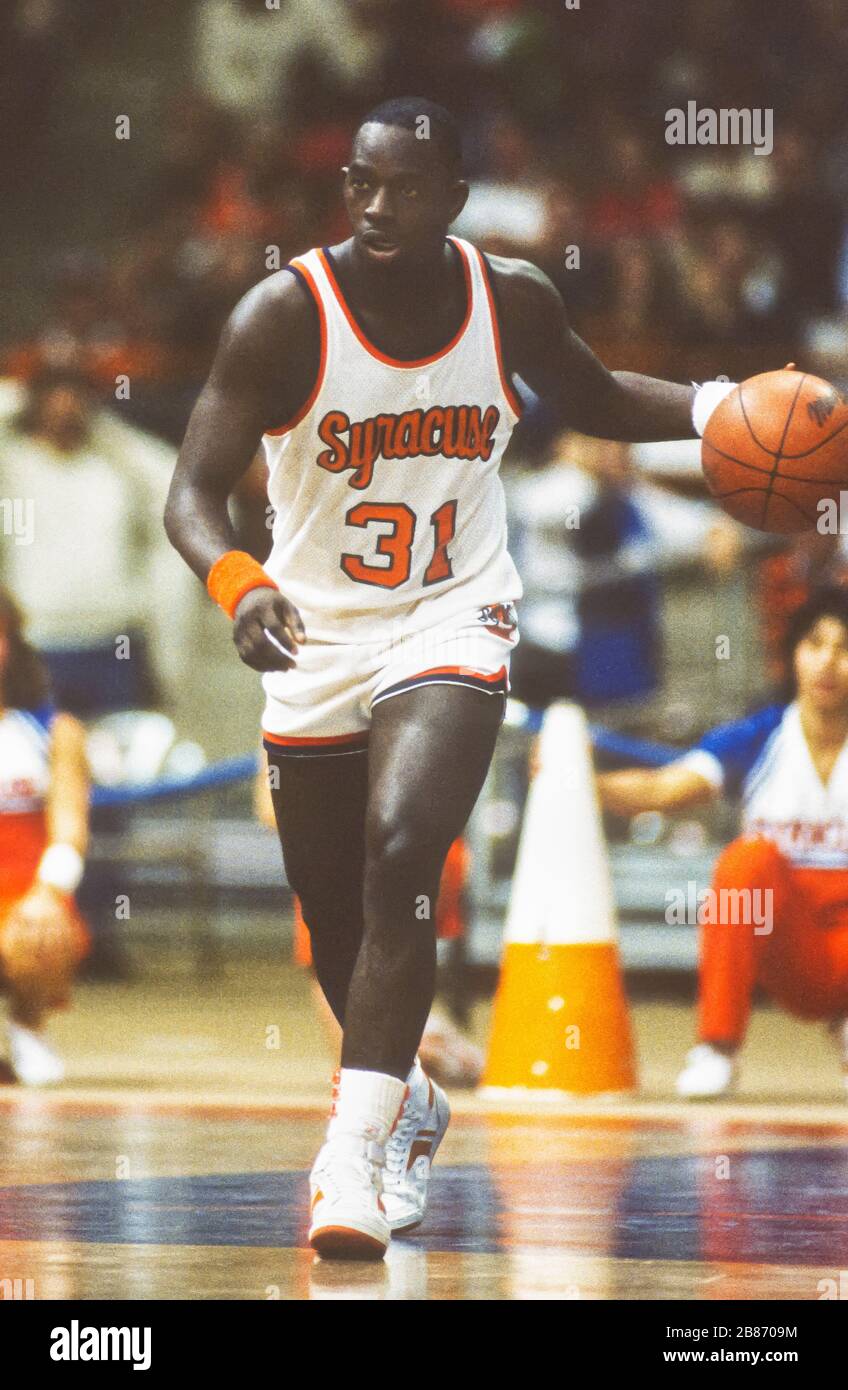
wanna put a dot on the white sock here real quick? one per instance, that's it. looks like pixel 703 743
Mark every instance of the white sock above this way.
pixel 367 1104
pixel 416 1075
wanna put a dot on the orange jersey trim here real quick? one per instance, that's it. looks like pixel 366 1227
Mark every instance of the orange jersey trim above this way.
pixel 459 671
pixel 375 351
pixel 507 386
pixel 322 365
pixel 333 738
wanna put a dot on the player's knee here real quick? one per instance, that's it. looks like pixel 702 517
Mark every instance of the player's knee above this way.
pixel 400 850
pixel 747 858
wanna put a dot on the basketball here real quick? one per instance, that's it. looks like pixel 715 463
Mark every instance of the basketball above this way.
pixel 775 447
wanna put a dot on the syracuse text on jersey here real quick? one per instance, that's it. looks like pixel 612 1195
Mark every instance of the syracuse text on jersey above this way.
pixel 453 431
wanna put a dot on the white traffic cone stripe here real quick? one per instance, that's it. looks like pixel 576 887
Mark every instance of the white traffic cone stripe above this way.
pixel 562 889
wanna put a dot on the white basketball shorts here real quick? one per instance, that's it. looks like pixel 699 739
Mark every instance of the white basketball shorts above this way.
pixel 323 706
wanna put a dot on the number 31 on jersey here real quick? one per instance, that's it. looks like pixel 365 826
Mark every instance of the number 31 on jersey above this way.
pixel 397 543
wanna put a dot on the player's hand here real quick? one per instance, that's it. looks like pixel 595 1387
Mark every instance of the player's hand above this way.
pixel 39 929
pixel 262 609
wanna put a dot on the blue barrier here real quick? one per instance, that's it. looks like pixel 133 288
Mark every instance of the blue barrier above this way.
pixel 633 750
pixel 231 770
pixel 218 775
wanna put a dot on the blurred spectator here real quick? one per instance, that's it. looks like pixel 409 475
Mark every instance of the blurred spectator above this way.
pixel 786 580
pixel 592 540
pixel 692 260
pixel 636 198
pixel 804 221
pixel 733 287
pixel 87 555
pixel 246 52
pixel 507 208
pixel 34 38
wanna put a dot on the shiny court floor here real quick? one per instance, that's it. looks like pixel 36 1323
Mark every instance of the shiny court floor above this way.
pixel 173 1164
pixel 155 1199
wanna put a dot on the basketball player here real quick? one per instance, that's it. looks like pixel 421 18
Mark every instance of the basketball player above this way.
pixel 778 913
pixel 380 374
pixel 43 833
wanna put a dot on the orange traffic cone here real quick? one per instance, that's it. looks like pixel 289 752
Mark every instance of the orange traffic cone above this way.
pixel 561 1024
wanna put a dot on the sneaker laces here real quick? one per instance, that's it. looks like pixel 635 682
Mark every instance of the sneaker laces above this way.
pixel 403 1132
pixel 349 1163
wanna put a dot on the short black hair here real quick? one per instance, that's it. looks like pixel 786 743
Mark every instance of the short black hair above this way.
pixel 442 127
pixel 828 601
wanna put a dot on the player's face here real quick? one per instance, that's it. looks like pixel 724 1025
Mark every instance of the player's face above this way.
pixel 399 196
pixel 821 665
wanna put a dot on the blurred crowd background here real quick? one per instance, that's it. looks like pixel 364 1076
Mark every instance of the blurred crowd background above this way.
pixel 124 256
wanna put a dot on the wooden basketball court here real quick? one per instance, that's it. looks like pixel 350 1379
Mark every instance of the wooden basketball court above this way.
pixel 173 1164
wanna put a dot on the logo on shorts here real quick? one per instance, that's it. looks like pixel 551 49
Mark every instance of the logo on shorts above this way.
pixel 499 618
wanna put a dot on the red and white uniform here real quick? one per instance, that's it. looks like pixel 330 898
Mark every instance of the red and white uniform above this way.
pixel 24 783
pixel 792 854
pixel 390 519
pixel 25 737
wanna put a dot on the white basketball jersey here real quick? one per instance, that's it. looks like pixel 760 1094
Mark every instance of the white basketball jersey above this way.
pixel 24 763
pixel 766 760
pixel 389 512
pixel 786 800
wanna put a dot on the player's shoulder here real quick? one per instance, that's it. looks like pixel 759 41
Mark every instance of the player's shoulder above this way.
pixel 277 312
pixel 529 307
pixel 728 752
pixel 741 742
pixel 281 298
pixel 757 725
pixel 520 282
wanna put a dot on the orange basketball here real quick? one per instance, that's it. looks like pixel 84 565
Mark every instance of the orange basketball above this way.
pixel 775 447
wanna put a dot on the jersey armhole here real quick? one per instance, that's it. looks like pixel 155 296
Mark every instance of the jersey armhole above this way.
pixel 303 274
pixel 496 315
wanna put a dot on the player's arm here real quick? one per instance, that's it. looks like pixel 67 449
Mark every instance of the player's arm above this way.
pixel 257 382
pixel 670 788
pixel 263 802
pixel 541 347
pixel 44 907
pixel 70 785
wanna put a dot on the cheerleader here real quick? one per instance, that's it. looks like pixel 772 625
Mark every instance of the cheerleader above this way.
pixel 776 914
pixel 44 794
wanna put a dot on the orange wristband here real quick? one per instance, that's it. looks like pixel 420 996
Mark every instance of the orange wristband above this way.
pixel 234 575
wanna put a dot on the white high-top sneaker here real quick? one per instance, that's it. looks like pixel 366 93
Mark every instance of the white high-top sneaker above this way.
pixel 348 1218
pixel 708 1073
pixel 411 1148
pixel 34 1061
pixel 346 1183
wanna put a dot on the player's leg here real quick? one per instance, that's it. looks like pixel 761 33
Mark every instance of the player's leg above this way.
pixel 766 931
pixel 320 806
pixel 429 754
pixel 37 971
pixel 730 957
